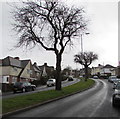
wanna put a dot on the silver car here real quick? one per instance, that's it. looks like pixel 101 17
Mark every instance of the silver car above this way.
pixel 112 79
pixel 51 82
pixel 115 83
pixel 116 95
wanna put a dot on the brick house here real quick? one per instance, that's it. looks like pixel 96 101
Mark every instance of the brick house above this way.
pixel 11 68
pixel 14 70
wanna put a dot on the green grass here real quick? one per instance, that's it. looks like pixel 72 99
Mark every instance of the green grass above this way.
pixel 19 102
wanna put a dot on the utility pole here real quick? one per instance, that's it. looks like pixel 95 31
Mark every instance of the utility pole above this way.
pixel 82 41
pixel 82 45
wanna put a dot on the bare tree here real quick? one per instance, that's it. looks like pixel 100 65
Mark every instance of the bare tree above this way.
pixel 51 24
pixel 85 59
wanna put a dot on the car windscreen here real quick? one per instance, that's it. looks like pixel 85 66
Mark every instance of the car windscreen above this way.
pixel 18 83
pixel 113 77
pixel 50 80
pixel 118 86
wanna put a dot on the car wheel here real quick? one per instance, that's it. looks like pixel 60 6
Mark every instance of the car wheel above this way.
pixel 113 102
pixel 23 90
pixel 14 91
pixel 33 88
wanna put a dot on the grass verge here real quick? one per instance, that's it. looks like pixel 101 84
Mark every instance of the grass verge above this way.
pixel 19 102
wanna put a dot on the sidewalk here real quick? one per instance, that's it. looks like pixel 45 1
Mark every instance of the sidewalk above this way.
pixel 11 92
pixel 40 88
pixel 37 88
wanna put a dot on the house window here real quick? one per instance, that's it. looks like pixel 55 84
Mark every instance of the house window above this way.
pixel 15 68
pixel 14 79
pixel 5 79
pixel 29 71
pixel 38 74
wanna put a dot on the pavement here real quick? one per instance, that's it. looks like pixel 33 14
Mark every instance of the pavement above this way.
pixel 39 88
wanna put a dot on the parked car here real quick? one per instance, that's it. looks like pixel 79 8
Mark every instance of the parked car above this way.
pixel 81 76
pixel 51 82
pixel 23 87
pixel 115 83
pixel 95 77
pixel 112 79
pixel 116 95
pixel 70 78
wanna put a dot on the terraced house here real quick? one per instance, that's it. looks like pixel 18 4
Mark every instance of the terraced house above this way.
pixel 14 69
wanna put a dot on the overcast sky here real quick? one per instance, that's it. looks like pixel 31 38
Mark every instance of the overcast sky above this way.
pixel 103 37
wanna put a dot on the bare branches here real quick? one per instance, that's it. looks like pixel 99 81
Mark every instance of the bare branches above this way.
pixel 43 21
pixel 50 24
pixel 85 58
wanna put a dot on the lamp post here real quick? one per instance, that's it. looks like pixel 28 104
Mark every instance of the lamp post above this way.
pixel 81 44
pixel 82 41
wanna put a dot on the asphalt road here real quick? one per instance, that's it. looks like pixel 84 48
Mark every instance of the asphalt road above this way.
pixel 38 89
pixel 95 102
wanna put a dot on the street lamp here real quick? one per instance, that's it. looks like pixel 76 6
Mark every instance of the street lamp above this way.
pixel 82 44
pixel 82 41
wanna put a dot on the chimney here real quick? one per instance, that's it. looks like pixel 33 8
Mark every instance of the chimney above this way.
pixel 35 63
pixel 45 64
pixel 17 58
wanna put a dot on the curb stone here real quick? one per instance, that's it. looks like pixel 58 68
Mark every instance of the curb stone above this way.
pixel 40 104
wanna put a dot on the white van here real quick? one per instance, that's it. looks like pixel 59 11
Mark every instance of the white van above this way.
pixel 51 82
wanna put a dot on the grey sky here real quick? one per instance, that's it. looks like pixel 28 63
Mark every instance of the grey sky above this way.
pixel 103 37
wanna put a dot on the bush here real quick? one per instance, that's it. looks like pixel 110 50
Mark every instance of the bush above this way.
pixel 64 77
pixel 43 80
pixel 36 82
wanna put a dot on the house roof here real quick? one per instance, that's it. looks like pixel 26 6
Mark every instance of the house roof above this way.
pixel 24 63
pixel 15 62
pixel 10 61
pixel 45 65
pixel 108 66
pixel 36 68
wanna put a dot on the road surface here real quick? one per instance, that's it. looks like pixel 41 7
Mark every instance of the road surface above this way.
pixel 95 102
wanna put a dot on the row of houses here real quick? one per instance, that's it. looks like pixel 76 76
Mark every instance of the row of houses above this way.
pixel 103 71
pixel 13 70
pixel 100 71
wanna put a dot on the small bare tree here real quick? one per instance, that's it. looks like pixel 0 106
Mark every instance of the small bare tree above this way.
pixel 85 59
pixel 51 24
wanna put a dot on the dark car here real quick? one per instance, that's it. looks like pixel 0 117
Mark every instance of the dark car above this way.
pixel 116 95
pixel 70 78
pixel 23 87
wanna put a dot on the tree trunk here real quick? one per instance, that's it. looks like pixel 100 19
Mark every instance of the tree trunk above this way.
pixel 86 73
pixel 58 72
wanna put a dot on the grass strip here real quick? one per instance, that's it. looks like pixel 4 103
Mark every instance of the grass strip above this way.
pixel 19 102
